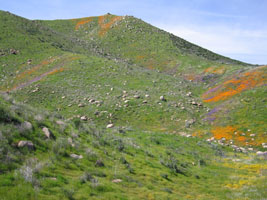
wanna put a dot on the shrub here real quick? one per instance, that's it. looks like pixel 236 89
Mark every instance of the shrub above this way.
pixel 68 193
pixel 173 164
pixel 86 177
pixel 61 146
pixel 90 154
pixel 29 171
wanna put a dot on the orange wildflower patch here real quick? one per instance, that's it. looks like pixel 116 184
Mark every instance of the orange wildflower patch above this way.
pixel 193 77
pixel 232 87
pixel 241 139
pixel 215 70
pixel 190 77
pixel 28 75
pixel 140 57
pixel 232 133
pixel 105 26
pixel 56 70
pixel 32 70
pixel 82 22
pixel 223 132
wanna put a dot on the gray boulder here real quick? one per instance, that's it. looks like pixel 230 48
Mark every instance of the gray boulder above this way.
pixel 24 143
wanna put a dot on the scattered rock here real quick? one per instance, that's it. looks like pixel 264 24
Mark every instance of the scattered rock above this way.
pixel 75 156
pixel 194 103
pixel 59 122
pixel 63 97
pixel 162 98
pixel 28 144
pixel 189 94
pixel 83 118
pixel 74 135
pixel 252 135
pixel 188 136
pixel 13 51
pixel 29 61
pixel 110 125
pixel 116 181
pixel 189 123
pixel 81 105
pixel 137 96
pixel 27 125
pixel 240 149
pixel 47 133
pixel 147 95
pixel 35 90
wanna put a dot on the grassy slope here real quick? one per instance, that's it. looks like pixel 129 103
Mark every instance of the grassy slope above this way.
pixel 86 66
pixel 151 165
pixel 139 43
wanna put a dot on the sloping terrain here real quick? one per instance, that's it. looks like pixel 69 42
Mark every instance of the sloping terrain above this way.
pixel 157 92
pixel 78 160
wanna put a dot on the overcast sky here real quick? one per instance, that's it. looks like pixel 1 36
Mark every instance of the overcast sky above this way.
pixel 234 28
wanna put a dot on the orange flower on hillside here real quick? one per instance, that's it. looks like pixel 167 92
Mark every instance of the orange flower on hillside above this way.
pixel 105 26
pixel 34 69
pixel 55 71
pixel 223 132
pixel 82 22
pixel 232 87
pixel 215 70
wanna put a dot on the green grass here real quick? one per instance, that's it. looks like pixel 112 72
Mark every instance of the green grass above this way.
pixel 150 164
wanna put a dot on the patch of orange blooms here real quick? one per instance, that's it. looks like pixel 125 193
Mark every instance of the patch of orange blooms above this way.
pixel 232 87
pixel 32 70
pixel 140 57
pixel 215 70
pixel 56 70
pixel 232 133
pixel 226 132
pixel 82 22
pixel 29 72
pixel 104 27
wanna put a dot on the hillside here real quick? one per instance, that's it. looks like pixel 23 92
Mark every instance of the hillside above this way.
pixel 179 114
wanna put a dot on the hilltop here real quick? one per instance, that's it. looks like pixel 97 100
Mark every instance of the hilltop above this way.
pixel 131 108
